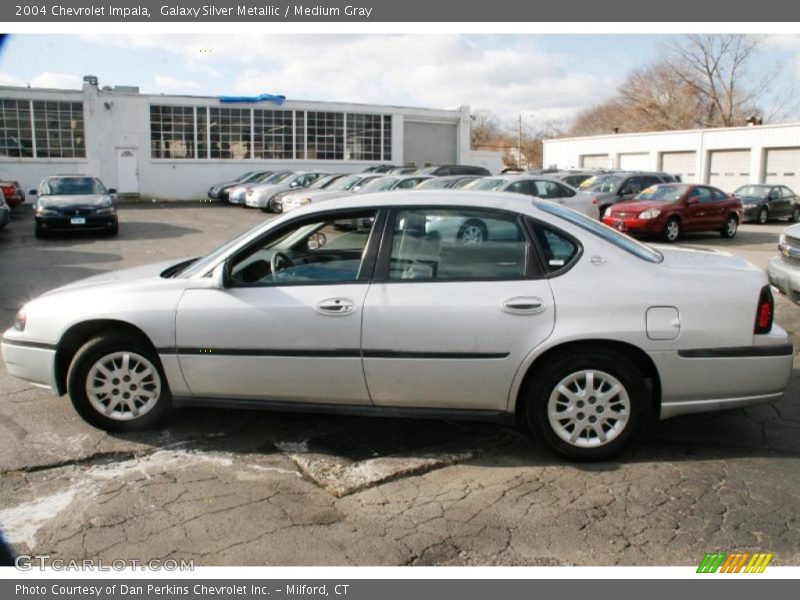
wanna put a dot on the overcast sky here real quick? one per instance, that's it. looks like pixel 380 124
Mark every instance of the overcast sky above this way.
pixel 542 76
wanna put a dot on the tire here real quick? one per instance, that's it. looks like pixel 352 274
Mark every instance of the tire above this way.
pixel 113 231
pixel 762 217
pixel 39 233
pixel 603 210
pixel 795 217
pixel 473 232
pixel 630 405
pixel 730 227
pixel 672 230
pixel 272 205
pixel 147 387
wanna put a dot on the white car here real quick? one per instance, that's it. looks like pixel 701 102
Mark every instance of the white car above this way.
pixel 341 188
pixel 264 195
pixel 540 187
pixel 363 306
pixel 238 193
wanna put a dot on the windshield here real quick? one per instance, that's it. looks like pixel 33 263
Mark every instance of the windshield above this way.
pixel 380 184
pixel 345 184
pixel 437 183
pixel 663 193
pixel 610 235
pixel 427 171
pixel 603 184
pixel 752 191
pixel 277 177
pixel 249 176
pixel 487 184
pixel 200 265
pixel 324 181
pixel 68 186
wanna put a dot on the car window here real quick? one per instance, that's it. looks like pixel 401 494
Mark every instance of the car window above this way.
pixel 457 244
pixel 633 185
pixel 520 187
pixel 703 194
pixel 565 192
pixel 719 194
pixel 557 248
pixel 787 192
pixel 463 182
pixel 324 250
pixel 407 184
pixel 545 189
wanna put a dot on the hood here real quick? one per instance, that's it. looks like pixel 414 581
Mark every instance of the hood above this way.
pixel 689 257
pixel 793 231
pixel 77 200
pixel 149 271
pixel 751 199
pixel 318 194
pixel 637 206
pixel 270 187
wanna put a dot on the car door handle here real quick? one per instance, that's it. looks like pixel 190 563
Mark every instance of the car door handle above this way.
pixel 335 306
pixel 524 305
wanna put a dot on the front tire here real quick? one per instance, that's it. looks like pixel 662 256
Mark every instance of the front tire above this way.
pixel 672 230
pixel 795 215
pixel 473 232
pixel 730 228
pixel 762 217
pixel 116 383
pixel 588 406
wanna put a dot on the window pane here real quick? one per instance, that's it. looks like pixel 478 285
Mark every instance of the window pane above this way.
pixel 557 248
pixel 363 137
pixel 273 134
pixel 322 251
pixel 325 135
pixel 172 131
pixel 230 133
pixel 16 138
pixel 447 244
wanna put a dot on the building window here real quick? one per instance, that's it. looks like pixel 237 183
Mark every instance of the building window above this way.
pixel 58 129
pixel 324 135
pixel 172 132
pixel 16 137
pixel 387 137
pixel 230 133
pixel 201 124
pixel 364 137
pixel 300 134
pixel 273 134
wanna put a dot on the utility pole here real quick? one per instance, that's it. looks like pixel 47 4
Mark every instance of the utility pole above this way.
pixel 519 142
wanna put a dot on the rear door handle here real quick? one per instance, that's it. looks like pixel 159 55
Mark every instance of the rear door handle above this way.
pixel 335 306
pixel 524 305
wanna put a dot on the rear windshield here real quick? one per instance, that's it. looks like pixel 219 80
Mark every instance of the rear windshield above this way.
pixel 752 191
pixel 610 235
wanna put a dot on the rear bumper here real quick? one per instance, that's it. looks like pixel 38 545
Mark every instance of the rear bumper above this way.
pixel 59 223
pixel 721 378
pixel 785 277
pixel 33 362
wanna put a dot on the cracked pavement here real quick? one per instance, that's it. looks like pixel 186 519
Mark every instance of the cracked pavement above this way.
pixel 253 488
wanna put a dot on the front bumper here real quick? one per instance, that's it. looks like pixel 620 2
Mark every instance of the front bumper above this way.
pixel 785 276
pixel 33 362
pixel 65 223
pixel 5 216
pixel 634 225
pixel 750 213
pixel 696 381
pixel 256 202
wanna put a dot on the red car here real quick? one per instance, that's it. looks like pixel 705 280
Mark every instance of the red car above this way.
pixel 670 209
pixel 12 192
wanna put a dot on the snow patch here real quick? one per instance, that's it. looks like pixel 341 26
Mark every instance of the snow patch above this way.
pixel 21 523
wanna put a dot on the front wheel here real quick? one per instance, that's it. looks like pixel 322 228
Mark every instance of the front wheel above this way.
pixel 731 227
pixel 473 232
pixel 587 406
pixel 795 214
pixel 116 383
pixel 762 217
pixel 672 230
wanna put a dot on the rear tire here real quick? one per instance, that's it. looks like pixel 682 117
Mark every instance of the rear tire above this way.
pixel 116 383
pixel 473 232
pixel 587 406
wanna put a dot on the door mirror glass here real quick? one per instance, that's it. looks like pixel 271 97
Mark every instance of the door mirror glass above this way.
pixel 32 192
pixel 219 276
pixel 112 191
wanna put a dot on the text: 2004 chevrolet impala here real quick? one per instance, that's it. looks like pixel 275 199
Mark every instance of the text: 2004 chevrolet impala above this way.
pixel 382 304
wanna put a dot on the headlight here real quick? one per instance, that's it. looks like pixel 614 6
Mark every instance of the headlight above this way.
pixel 106 210
pixel 20 320
pixel 45 212
pixel 650 214
pixel 608 212
pixel 305 201
pixel 782 240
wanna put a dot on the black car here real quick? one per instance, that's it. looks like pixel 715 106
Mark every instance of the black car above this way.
pixel 220 191
pixel 441 170
pixel 74 202
pixel 766 201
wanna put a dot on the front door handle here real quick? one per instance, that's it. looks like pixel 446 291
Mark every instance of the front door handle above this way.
pixel 524 305
pixel 335 306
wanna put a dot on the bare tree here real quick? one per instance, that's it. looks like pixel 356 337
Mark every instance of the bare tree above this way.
pixel 485 130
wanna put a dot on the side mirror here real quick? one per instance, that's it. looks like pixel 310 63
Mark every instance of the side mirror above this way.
pixel 220 277
pixel 32 192
pixel 112 191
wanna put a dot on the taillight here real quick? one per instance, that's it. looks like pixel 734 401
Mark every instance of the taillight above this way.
pixel 8 190
pixel 765 311
pixel 594 201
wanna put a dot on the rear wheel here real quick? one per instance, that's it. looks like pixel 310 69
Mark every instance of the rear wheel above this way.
pixel 116 383
pixel 731 227
pixel 587 406
pixel 763 216
pixel 473 232
pixel 672 230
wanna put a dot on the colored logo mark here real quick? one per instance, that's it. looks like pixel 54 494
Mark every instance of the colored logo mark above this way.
pixel 734 562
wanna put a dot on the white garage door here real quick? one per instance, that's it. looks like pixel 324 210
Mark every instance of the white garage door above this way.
pixel 595 161
pixel 680 163
pixel 783 166
pixel 640 161
pixel 729 169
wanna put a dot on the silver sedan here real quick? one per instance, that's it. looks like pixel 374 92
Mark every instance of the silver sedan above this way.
pixel 368 305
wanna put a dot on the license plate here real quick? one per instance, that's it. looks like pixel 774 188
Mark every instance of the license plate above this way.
pixel 78 221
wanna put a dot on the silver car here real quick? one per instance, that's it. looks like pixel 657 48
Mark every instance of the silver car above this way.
pixel 238 193
pixel 350 184
pixel 540 187
pixel 784 270
pixel 264 195
pixel 362 306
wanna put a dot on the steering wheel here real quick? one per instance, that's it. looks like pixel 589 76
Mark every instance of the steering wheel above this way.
pixel 280 261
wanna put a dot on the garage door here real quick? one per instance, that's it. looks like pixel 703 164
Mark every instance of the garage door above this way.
pixel 639 161
pixel 595 161
pixel 680 163
pixel 783 166
pixel 728 169
pixel 429 143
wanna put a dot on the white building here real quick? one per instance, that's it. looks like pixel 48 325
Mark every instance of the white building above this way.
pixel 725 158
pixel 178 146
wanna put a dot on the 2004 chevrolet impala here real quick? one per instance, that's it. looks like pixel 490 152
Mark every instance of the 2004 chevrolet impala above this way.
pixel 382 305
